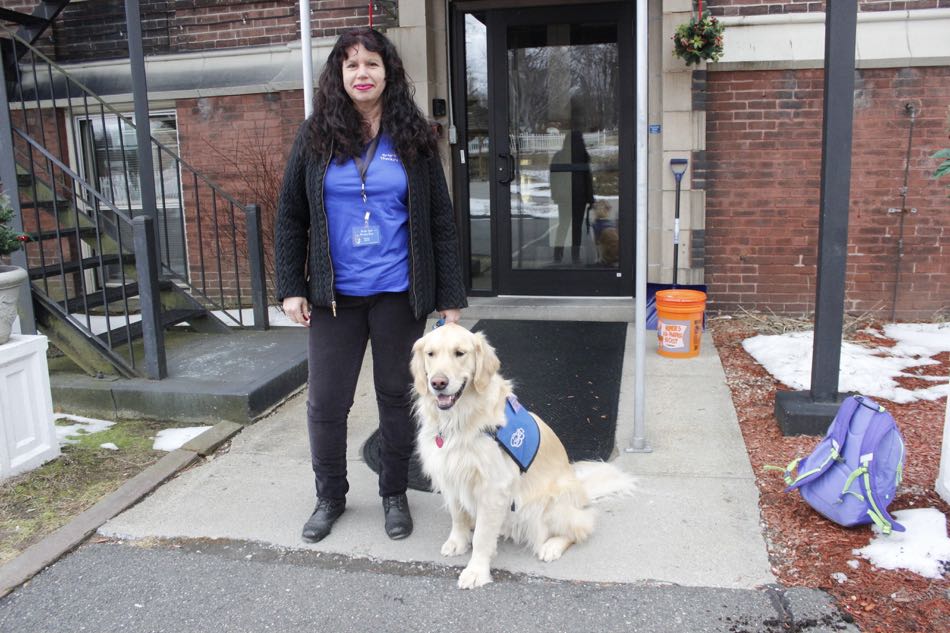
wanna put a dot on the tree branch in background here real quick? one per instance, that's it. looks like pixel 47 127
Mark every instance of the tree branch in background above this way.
pixel 254 167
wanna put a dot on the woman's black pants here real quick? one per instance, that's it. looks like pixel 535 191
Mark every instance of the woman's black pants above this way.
pixel 337 347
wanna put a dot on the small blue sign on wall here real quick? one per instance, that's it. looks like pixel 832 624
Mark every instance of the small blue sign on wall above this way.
pixel 655 128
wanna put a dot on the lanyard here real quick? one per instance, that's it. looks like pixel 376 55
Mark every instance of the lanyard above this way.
pixel 362 167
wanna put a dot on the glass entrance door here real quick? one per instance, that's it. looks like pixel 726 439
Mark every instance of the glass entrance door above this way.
pixel 549 209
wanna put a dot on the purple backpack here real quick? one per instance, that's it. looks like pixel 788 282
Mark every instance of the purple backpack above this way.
pixel 852 475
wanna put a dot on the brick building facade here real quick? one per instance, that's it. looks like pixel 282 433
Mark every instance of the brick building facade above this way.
pixel 762 180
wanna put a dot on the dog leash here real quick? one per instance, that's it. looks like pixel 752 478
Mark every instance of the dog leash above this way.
pixel 438 324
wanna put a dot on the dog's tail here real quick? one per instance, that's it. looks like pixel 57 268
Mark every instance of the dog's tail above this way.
pixel 601 480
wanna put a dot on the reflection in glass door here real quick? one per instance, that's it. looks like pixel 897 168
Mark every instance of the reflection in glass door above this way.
pixel 478 152
pixel 545 121
pixel 563 138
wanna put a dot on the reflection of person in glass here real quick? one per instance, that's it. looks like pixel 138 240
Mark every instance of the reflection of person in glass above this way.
pixel 572 189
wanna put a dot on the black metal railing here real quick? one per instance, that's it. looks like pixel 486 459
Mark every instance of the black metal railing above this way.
pixel 70 250
pixel 202 230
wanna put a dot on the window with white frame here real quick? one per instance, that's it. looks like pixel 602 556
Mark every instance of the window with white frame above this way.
pixel 109 161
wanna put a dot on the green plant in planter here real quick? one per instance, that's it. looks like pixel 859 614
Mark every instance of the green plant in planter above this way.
pixel 10 240
pixel 699 39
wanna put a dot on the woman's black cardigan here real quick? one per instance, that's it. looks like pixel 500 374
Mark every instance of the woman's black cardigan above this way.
pixel 435 271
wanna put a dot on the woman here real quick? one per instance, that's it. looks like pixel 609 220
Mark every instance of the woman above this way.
pixel 365 249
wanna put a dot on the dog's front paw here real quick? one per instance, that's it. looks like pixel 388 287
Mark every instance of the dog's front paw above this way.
pixel 553 548
pixel 454 546
pixel 472 577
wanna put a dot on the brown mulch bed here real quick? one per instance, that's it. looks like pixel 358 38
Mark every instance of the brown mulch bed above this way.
pixel 804 548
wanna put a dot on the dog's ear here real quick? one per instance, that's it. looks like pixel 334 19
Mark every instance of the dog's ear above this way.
pixel 486 362
pixel 417 365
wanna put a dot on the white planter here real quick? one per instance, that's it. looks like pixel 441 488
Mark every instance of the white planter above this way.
pixel 27 432
pixel 11 278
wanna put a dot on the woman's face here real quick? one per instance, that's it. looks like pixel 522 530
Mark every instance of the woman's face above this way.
pixel 364 76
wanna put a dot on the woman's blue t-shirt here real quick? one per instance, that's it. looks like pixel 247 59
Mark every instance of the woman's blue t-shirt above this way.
pixel 370 254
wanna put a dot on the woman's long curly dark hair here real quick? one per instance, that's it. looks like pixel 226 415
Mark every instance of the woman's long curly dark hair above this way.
pixel 337 122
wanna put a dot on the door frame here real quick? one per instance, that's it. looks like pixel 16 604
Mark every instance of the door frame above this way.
pixel 559 282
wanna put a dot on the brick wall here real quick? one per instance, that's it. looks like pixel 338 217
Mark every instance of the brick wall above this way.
pixel 762 178
pixel 764 7
pixel 241 143
pixel 23 6
pixel 215 24
pixel 97 30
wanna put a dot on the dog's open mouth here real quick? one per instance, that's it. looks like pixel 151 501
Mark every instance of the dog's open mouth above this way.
pixel 448 400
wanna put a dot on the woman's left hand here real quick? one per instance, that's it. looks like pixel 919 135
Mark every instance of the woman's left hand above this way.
pixel 451 316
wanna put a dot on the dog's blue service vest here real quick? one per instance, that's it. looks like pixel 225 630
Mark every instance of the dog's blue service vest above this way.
pixel 520 437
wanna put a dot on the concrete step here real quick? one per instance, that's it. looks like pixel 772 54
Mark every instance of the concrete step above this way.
pixel 235 377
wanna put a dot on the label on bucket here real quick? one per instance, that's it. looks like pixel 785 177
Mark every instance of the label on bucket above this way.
pixel 674 335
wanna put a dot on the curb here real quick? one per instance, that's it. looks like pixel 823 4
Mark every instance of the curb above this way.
pixel 40 555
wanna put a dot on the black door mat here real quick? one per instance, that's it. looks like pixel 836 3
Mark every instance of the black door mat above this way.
pixel 567 372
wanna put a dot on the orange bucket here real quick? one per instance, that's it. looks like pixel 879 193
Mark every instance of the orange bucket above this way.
pixel 679 322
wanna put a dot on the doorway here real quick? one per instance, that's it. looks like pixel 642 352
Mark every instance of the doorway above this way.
pixel 544 107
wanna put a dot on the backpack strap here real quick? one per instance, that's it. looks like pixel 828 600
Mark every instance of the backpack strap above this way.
pixel 836 435
pixel 875 433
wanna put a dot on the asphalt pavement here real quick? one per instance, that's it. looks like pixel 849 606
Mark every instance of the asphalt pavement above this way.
pixel 222 586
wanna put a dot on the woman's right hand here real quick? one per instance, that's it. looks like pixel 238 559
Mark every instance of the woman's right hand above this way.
pixel 298 310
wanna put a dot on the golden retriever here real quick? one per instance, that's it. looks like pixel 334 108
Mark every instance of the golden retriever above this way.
pixel 459 399
pixel 606 237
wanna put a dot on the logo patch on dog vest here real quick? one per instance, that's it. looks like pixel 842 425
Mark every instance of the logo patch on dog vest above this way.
pixel 520 437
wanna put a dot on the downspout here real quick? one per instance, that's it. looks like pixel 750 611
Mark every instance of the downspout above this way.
pixel 638 443
pixel 306 55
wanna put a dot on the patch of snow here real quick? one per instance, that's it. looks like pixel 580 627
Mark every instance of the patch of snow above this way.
pixel 171 439
pixel 870 371
pixel 923 549
pixel 66 434
pixel 110 446
pixel 926 339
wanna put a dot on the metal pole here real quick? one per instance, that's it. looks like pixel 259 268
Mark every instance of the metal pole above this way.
pixel 143 135
pixel 840 28
pixel 9 178
pixel 639 442
pixel 255 249
pixel 306 55
pixel 146 262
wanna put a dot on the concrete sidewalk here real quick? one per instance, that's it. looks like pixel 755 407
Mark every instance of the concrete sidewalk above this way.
pixel 694 520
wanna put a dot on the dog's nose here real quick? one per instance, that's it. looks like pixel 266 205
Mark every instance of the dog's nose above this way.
pixel 439 382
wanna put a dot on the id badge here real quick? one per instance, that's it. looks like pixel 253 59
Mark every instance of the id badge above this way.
pixel 366 235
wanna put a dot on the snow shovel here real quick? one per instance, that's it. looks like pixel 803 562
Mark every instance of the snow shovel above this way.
pixel 678 166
